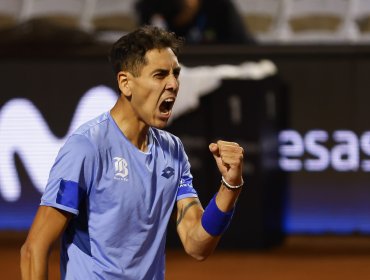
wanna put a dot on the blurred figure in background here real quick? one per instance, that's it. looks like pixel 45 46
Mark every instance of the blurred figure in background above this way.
pixel 198 21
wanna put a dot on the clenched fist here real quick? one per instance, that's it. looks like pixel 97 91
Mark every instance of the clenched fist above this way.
pixel 229 159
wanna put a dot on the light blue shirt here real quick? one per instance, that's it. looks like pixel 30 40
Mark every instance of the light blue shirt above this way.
pixel 122 199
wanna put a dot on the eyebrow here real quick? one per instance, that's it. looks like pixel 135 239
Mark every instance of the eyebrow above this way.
pixel 160 70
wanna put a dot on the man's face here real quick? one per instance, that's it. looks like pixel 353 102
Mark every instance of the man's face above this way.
pixel 153 93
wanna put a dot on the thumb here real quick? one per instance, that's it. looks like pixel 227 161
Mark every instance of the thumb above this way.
pixel 213 147
pixel 215 150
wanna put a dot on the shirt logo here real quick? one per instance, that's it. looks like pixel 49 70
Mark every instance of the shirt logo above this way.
pixel 185 184
pixel 120 168
pixel 168 172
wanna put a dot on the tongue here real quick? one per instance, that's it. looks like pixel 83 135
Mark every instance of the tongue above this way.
pixel 163 108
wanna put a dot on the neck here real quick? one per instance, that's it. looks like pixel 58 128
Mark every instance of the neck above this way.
pixel 135 130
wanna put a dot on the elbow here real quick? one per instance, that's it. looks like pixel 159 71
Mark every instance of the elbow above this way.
pixel 28 256
pixel 33 261
pixel 25 253
pixel 25 260
pixel 28 253
pixel 199 256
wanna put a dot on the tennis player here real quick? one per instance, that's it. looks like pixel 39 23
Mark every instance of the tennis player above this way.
pixel 117 179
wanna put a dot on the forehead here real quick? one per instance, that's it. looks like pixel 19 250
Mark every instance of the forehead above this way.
pixel 161 59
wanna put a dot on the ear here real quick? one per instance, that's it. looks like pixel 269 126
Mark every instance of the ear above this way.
pixel 123 82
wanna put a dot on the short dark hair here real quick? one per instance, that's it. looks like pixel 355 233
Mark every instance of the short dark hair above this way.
pixel 128 53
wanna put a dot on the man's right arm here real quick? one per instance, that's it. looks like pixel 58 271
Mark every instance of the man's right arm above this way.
pixel 47 226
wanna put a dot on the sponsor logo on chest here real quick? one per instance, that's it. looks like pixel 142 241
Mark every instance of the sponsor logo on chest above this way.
pixel 120 169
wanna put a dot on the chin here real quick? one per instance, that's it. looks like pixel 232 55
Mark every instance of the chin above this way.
pixel 160 124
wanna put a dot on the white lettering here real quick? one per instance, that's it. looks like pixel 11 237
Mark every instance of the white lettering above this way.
pixel 291 147
pixel 365 146
pixel 322 160
pixel 345 156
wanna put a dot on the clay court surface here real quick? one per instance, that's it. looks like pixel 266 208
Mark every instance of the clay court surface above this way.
pixel 299 258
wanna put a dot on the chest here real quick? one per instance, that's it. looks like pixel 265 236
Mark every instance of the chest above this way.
pixel 138 184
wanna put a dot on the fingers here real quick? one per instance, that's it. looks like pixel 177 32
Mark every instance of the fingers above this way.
pixel 227 153
pixel 214 149
pixel 229 160
pixel 230 152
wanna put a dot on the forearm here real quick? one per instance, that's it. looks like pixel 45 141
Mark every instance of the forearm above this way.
pixel 47 226
pixel 201 231
pixel 226 198
pixel 199 242
pixel 34 263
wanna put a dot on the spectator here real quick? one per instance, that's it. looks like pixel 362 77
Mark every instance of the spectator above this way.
pixel 198 21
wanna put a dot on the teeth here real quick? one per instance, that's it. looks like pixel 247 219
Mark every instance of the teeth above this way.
pixel 169 100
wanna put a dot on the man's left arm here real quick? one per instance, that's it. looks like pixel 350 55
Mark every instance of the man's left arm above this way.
pixel 200 230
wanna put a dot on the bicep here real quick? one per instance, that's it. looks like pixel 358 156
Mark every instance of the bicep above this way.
pixel 47 226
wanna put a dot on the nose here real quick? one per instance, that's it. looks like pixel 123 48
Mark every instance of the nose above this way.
pixel 172 83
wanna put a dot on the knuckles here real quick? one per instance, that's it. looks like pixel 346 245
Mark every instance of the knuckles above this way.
pixel 230 151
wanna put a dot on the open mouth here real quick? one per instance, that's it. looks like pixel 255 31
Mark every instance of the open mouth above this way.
pixel 166 106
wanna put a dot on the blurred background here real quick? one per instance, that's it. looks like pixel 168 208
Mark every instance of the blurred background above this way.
pixel 287 79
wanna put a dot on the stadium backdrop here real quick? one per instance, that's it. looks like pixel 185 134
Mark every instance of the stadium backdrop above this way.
pixel 308 160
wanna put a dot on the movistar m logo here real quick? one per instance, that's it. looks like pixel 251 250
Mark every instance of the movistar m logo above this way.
pixel 24 131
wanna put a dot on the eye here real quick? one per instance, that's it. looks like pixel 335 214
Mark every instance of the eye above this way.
pixel 160 75
pixel 176 73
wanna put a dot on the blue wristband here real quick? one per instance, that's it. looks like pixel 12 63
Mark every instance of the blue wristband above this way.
pixel 214 221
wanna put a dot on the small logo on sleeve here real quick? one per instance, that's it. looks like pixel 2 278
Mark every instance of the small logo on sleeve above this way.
pixel 185 184
pixel 120 168
pixel 168 172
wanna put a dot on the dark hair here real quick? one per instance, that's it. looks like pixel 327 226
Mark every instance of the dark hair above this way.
pixel 128 53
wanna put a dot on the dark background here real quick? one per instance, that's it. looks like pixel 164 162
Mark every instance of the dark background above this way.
pixel 317 87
